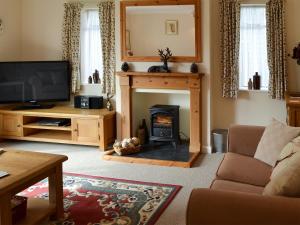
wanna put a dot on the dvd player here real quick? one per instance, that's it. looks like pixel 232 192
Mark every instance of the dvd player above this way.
pixel 54 122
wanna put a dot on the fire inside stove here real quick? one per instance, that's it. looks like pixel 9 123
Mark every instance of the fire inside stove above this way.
pixel 161 120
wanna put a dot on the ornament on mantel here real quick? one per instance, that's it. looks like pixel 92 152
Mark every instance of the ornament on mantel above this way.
pixel 125 67
pixel 194 68
pixel 165 56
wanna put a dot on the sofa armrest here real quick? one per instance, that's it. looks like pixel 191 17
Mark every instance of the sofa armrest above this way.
pixel 244 139
pixel 215 207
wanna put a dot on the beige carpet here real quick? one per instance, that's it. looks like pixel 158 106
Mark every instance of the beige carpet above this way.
pixel 87 160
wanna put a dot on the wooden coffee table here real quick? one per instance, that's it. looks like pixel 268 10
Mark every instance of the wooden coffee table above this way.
pixel 26 169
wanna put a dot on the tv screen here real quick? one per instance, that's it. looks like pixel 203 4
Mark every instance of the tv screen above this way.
pixel 34 81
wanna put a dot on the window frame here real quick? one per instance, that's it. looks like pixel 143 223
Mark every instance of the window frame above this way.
pixel 245 88
pixel 91 7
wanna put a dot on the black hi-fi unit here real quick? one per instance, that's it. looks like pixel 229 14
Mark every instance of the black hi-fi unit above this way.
pixel 88 102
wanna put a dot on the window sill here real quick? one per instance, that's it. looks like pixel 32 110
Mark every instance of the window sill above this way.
pixel 91 85
pixel 253 91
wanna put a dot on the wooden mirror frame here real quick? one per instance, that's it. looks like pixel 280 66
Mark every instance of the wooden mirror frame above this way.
pixel 198 50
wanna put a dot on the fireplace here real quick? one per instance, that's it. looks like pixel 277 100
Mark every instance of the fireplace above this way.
pixel 164 126
pixel 132 81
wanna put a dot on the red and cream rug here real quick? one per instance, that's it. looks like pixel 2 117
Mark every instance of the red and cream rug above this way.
pixel 90 200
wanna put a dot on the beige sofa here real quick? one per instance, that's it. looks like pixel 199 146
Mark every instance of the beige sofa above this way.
pixel 235 196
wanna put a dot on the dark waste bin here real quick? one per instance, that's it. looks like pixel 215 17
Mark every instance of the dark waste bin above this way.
pixel 219 140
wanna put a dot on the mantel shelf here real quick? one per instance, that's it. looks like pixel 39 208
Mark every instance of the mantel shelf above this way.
pixel 177 81
pixel 172 74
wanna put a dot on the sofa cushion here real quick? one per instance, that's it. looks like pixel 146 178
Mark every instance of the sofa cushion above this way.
pixel 235 186
pixel 244 169
pixel 274 138
pixel 285 178
pixel 243 139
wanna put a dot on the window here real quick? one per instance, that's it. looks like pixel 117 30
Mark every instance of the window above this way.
pixel 90 44
pixel 253 45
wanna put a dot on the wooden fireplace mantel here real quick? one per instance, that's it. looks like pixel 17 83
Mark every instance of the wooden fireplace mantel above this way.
pixel 173 74
pixel 177 81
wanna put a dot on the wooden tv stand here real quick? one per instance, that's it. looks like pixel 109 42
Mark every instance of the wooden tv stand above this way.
pixel 94 127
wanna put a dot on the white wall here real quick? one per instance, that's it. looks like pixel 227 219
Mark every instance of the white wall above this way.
pixel 10 39
pixel 42 29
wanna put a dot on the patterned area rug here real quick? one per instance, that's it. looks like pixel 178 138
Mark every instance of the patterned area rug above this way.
pixel 90 200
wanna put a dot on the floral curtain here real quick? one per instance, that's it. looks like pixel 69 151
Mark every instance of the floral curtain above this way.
pixel 107 28
pixel 71 41
pixel 275 12
pixel 230 41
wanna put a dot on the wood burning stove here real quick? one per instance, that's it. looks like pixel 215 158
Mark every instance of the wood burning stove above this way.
pixel 164 124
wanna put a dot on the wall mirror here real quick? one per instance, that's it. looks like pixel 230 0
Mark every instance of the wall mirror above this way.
pixel 147 26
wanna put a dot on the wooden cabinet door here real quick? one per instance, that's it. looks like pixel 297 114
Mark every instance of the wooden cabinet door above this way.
pixel 293 116
pixel 86 130
pixel 297 118
pixel 11 125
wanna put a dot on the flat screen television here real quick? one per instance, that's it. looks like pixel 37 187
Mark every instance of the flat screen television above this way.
pixel 42 81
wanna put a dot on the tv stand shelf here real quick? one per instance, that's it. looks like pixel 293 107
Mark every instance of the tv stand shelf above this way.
pixel 94 127
pixel 44 127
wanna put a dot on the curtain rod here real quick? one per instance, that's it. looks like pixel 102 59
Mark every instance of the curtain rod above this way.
pixel 84 1
pixel 253 2
pixel 253 5
pixel 87 4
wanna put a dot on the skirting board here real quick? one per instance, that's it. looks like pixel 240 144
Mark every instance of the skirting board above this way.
pixel 206 149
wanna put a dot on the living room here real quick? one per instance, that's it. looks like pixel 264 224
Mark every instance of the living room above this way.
pixel 32 30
